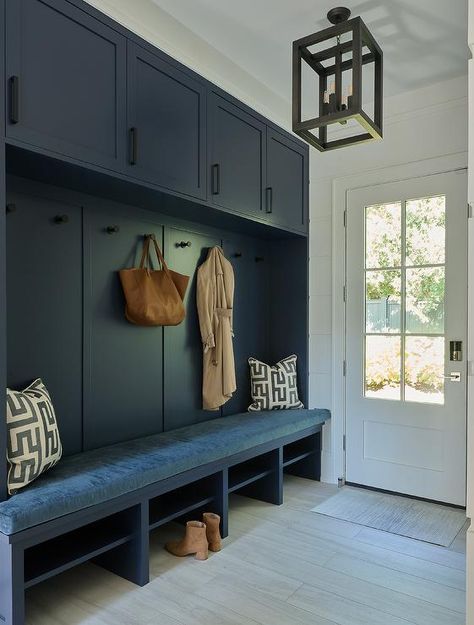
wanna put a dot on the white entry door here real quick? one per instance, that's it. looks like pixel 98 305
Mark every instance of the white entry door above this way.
pixel 406 329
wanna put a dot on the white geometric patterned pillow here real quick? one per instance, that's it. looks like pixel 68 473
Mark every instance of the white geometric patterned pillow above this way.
pixel 33 442
pixel 274 388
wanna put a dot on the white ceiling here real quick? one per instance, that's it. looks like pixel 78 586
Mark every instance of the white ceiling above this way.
pixel 424 41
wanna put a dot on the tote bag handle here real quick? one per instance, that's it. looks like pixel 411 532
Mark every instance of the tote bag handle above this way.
pixel 145 259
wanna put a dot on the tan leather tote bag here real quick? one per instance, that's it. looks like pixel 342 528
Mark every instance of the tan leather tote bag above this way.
pixel 153 297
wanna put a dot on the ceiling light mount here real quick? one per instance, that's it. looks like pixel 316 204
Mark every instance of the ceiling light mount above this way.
pixel 340 57
pixel 338 15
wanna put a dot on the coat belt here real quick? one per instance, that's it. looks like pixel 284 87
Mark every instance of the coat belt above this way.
pixel 224 313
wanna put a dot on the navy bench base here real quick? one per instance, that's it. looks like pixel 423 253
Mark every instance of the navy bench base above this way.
pixel 115 534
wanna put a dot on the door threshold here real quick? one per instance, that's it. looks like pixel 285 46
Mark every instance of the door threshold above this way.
pixel 392 492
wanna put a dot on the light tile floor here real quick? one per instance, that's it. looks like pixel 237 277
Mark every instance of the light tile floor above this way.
pixel 280 566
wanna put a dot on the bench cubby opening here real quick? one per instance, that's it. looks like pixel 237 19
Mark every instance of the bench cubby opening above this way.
pixel 299 450
pixel 67 550
pixel 302 458
pixel 245 473
pixel 179 503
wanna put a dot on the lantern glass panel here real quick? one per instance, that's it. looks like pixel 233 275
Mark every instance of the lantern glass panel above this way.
pixel 309 93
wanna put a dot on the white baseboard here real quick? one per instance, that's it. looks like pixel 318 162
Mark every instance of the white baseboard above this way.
pixel 327 473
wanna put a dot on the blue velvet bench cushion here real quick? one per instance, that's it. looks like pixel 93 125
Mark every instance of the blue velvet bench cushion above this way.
pixel 96 476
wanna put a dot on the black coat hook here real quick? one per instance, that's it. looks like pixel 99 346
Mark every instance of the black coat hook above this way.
pixel 259 259
pixel 238 255
pixel 112 229
pixel 61 219
pixel 10 208
pixel 183 244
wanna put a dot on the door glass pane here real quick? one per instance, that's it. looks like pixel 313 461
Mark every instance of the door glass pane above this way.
pixel 383 235
pixel 425 300
pixel 426 231
pixel 382 367
pixel 382 301
pixel 405 296
pixel 424 369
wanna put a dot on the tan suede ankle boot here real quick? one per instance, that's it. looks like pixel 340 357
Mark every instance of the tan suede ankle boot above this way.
pixel 194 542
pixel 212 522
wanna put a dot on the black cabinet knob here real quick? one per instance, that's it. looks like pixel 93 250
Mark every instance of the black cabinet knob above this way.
pixel 61 219
pixel 183 244
pixel 112 229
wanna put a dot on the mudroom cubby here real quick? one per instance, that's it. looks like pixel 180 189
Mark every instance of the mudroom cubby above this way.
pixel 83 180
pixel 245 473
pixel 299 450
pixel 183 501
pixel 79 545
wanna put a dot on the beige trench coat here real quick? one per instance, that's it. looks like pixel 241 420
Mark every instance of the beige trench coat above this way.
pixel 215 298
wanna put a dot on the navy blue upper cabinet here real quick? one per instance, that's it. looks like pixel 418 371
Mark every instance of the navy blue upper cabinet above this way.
pixel 286 193
pixel 66 74
pixel 236 158
pixel 166 118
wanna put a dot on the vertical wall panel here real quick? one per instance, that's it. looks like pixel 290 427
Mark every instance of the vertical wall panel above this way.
pixel 252 264
pixel 288 318
pixel 3 355
pixel 122 362
pixel 182 344
pixel 44 289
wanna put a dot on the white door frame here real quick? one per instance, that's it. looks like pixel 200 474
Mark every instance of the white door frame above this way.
pixel 340 189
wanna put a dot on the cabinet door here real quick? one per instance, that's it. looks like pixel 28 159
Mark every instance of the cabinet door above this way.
pixel 122 362
pixel 286 194
pixel 44 305
pixel 251 265
pixel 66 73
pixel 237 155
pixel 183 345
pixel 166 115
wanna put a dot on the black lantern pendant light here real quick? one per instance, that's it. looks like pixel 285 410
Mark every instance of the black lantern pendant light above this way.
pixel 340 56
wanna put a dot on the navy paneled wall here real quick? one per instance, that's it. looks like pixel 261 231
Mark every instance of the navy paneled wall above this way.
pixel 123 364
pixel 3 316
pixel 44 303
pixel 138 143
pixel 112 381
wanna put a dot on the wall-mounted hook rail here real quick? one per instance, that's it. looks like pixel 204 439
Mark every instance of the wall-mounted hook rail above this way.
pixel 61 219
pixel 10 208
pixel 183 244
pixel 112 229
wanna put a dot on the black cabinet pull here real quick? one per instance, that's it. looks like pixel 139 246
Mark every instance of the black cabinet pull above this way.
pixel 14 100
pixel 133 146
pixel 216 179
pixel 269 199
